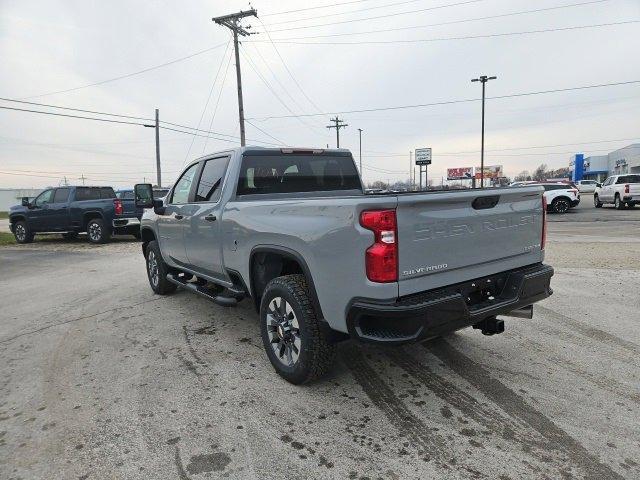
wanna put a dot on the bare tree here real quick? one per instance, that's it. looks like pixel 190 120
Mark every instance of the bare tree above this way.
pixel 540 173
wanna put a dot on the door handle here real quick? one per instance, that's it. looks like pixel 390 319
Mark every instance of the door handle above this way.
pixel 177 216
pixel 210 218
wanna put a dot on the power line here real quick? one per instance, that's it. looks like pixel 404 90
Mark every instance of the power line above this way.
pixel 444 39
pixel 450 102
pixel 213 84
pixel 215 108
pixel 76 109
pixel 314 8
pixel 275 94
pixel 438 7
pixel 452 22
pixel 377 7
pixel 287 68
pixel 72 116
pixel 205 136
pixel 113 79
pixel 266 133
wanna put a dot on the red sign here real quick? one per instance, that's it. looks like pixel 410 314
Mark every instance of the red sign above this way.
pixel 460 173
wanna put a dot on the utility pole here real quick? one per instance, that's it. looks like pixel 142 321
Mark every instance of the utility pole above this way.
pixel 158 172
pixel 232 22
pixel 156 125
pixel 483 79
pixel 360 136
pixel 338 125
pixel 83 178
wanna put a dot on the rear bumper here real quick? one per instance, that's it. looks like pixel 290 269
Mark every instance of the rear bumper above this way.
pixel 436 312
pixel 631 198
pixel 126 222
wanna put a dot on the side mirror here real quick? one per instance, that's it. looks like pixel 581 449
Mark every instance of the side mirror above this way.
pixel 598 185
pixel 144 195
pixel 25 202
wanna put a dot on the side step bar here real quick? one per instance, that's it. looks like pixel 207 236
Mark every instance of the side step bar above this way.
pixel 203 292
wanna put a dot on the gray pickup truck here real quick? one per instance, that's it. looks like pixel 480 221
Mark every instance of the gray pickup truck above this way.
pixel 293 230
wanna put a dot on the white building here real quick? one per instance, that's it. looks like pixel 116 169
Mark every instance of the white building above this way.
pixel 599 167
pixel 13 196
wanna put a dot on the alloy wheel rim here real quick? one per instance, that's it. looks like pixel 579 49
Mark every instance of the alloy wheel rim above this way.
pixel 562 206
pixel 95 231
pixel 153 269
pixel 283 331
pixel 20 232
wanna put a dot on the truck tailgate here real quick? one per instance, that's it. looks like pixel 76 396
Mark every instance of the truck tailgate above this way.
pixel 454 236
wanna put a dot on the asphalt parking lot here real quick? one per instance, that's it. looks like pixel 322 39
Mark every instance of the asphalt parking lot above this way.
pixel 102 379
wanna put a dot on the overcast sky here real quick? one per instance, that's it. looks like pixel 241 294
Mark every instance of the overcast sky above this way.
pixel 48 46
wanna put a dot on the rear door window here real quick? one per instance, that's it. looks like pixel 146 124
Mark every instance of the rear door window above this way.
pixel 61 195
pixel 87 193
pixel 290 173
pixel 210 184
pixel 629 179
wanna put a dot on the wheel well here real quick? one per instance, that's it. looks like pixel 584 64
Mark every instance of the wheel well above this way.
pixel 267 265
pixel 147 236
pixel 561 198
pixel 87 217
pixel 17 218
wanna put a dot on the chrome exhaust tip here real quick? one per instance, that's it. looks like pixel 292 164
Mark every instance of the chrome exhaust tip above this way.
pixel 524 312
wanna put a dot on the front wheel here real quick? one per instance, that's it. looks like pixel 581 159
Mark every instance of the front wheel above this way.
pixel 98 232
pixel 560 205
pixel 157 270
pixel 295 340
pixel 22 233
pixel 596 201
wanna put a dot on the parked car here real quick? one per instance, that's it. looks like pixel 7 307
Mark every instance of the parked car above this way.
pixel 293 230
pixel 71 210
pixel 621 190
pixel 586 186
pixel 560 197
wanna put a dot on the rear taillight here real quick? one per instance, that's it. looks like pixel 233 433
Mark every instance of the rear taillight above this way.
pixel 381 258
pixel 117 205
pixel 543 241
pixel 626 188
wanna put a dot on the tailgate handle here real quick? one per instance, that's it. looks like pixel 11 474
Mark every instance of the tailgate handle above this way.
pixel 482 203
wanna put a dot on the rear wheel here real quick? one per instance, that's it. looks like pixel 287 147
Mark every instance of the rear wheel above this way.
pixel 157 270
pixel 596 201
pixel 560 205
pixel 22 233
pixel 98 232
pixel 619 203
pixel 295 340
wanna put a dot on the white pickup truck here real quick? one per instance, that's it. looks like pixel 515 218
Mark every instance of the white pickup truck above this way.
pixel 621 190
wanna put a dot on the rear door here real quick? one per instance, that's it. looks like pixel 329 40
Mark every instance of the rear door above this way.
pixel 58 218
pixel 202 234
pixel 451 237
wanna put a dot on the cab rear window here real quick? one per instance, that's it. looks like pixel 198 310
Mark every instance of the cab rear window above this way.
pixel 296 173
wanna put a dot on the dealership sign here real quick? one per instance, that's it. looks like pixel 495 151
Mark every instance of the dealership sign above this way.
pixel 423 156
pixel 460 173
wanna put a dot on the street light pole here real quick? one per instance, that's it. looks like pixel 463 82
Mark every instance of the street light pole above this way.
pixel 483 79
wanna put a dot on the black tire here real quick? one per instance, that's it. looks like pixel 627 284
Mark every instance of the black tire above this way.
pixel 315 352
pixel 619 204
pixel 22 233
pixel 596 201
pixel 70 235
pixel 560 205
pixel 98 231
pixel 157 270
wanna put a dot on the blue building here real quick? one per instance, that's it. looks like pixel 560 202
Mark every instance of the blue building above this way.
pixel 599 167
